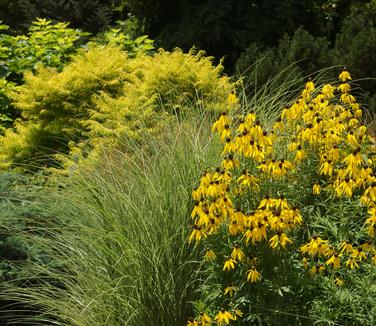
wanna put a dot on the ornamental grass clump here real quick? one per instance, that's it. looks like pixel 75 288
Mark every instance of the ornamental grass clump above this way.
pixel 289 208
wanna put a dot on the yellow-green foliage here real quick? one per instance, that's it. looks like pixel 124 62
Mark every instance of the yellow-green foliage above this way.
pixel 102 95
pixel 165 84
pixel 54 106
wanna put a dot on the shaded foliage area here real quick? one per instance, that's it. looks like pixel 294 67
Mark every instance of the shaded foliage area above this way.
pixel 353 46
pixel 223 28
pixel 226 28
pixel 323 32
pixel 91 15
pixel 19 218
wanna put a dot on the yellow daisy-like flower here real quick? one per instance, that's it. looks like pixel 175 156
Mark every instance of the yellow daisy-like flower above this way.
pixel 326 168
pixel 210 255
pixel 253 275
pixel 328 91
pixel 280 239
pixel 196 234
pixel 237 312
pixel 316 189
pixel 300 155
pixel 344 88
pixel 192 322
pixel 310 86
pixel 344 76
pixel 317 269
pixel 338 281
pixel 223 317
pixel 316 246
pixel 231 98
pixel 346 247
pixel 344 187
pixel 220 124
pixel 204 319
pixel 229 264
pixel 237 253
pixel 230 290
pixel 359 254
pixel 334 261
pixel 352 263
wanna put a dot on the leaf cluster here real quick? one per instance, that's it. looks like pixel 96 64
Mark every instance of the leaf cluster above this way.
pixel 104 93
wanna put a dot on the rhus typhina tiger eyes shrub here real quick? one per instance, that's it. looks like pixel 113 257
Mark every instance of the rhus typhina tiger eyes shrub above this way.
pixel 45 44
pixel 287 207
pixel 104 95
pixel 55 105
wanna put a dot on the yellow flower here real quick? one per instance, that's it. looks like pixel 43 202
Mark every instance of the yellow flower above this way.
pixel 223 317
pixel 229 264
pixel 196 234
pixel 237 312
pixel 230 162
pixel 310 86
pixel 204 319
pixel 352 263
pixel 230 290
pixel 316 246
pixel 220 124
pixel 338 281
pixel 300 155
pixel 316 189
pixel 358 254
pixel 344 88
pixel 231 98
pixel 192 322
pixel 333 153
pixel 253 275
pixel 344 187
pixel 247 180
pixel 347 98
pixel 334 261
pixel 237 253
pixel 229 146
pixel 225 133
pixel 328 91
pixel 317 269
pixel 279 239
pixel 293 146
pixel 327 168
pixel 344 75
pixel 346 246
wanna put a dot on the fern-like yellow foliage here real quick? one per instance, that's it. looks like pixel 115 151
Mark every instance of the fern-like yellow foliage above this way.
pixel 103 95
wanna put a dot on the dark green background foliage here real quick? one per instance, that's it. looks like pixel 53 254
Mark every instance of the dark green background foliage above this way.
pixel 222 27
pixel 90 15
pixel 18 196
pixel 320 33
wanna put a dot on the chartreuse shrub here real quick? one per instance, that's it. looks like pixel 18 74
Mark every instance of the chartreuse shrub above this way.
pixel 129 42
pixel 45 44
pixel 103 95
pixel 287 219
pixel 54 105
pixel 116 237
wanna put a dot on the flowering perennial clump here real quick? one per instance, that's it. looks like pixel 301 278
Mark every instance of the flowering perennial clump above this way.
pixel 254 205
